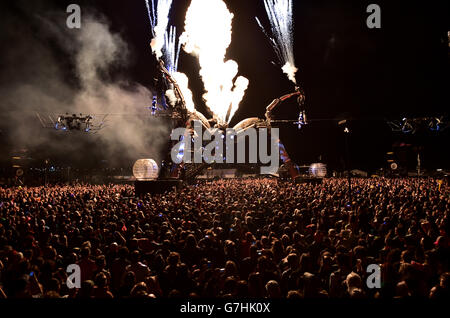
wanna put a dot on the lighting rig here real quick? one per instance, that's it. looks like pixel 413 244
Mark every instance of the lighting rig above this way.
pixel 74 122
pixel 413 125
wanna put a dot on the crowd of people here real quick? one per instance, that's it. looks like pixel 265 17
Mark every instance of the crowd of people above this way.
pixel 228 238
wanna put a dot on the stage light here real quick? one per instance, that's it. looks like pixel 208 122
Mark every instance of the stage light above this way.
pixel 414 125
pixel 407 126
pixel 434 124
pixel 318 170
pixel 180 154
pixel 145 169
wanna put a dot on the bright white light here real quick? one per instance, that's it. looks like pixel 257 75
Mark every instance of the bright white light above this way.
pixel 159 22
pixel 207 35
pixel 145 169
pixel 318 170
pixel 290 70
pixel 279 13
pixel 183 83
pixel 171 50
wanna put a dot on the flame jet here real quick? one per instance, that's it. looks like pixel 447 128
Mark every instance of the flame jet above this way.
pixel 207 35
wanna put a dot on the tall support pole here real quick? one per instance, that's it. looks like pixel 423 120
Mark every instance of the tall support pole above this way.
pixel 46 172
pixel 347 155
pixel 418 164
pixel 343 123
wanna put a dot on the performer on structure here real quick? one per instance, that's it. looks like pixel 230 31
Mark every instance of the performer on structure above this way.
pixel 154 107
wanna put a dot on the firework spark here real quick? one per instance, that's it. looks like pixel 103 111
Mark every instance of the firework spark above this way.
pixel 208 28
pixel 171 54
pixel 171 50
pixel 279 13
pixel 159 20
pixel 166 46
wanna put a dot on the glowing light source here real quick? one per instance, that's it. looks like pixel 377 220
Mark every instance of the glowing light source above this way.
pixel 183 83
pixel 145 169
pixel 171 50
pixel 318 170
pixel 207 35
pixel 279 13
pixel 165 45
pixel 159 21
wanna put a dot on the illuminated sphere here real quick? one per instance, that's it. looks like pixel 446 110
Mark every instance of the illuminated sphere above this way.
pixel 145 169
pixel 318 170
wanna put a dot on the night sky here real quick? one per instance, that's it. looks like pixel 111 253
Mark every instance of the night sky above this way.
pixel 346 70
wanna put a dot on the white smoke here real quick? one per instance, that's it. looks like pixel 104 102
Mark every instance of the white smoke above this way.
pixel 171 97
pixel 39 83
pixel 290 71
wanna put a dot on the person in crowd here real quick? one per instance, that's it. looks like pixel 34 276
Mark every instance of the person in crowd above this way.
pixel 254 238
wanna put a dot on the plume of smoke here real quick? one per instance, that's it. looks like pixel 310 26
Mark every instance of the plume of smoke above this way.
pixel 42 82
pixel 171 97
pixel 279 13
pixel 289 69
pixel 207 35
pixel 159 20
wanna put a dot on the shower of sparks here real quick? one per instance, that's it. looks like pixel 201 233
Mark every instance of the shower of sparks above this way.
pixel 165 45
pixel 279 13
pixel 171 50
pixel 151 16
pixel 159 20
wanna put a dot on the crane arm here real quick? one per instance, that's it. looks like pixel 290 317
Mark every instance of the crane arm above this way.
pixel 278 101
